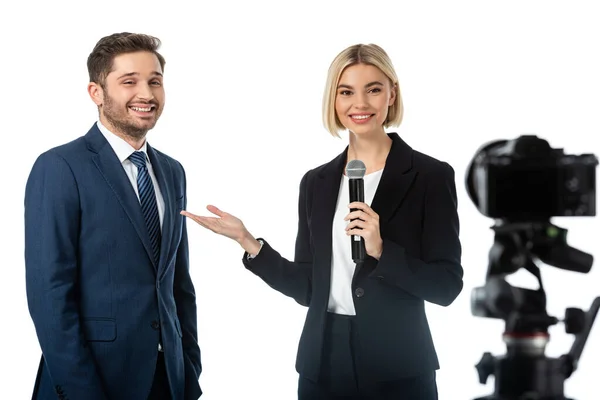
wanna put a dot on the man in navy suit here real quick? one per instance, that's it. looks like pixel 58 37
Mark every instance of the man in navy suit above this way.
pixel 108 282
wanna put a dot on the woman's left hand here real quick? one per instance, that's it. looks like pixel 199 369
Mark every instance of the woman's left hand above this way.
pixel 366 225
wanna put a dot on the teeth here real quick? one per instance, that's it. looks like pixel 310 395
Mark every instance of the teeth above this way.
pixel 361 116
pixel 147 109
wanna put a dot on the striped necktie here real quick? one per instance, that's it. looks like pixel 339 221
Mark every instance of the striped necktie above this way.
pixel 147 201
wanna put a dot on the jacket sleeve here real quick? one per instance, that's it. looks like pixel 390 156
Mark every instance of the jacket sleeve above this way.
pixel 52 220
pixel 437 276
pixel 185 300
pixel 293 279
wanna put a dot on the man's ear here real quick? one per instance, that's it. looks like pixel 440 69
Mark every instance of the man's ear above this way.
pixel 96 93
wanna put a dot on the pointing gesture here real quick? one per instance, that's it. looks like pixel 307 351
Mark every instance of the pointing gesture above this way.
pixel 226 225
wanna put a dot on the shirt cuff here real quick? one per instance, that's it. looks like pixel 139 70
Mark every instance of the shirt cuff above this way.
pixel 251 256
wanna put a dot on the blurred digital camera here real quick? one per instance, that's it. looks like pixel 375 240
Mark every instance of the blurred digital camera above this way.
pixel 525 179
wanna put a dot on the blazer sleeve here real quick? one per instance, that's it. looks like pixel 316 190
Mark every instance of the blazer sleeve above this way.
pixel 293 279
pixel 52 219
pixel 437 276
pixel 185 300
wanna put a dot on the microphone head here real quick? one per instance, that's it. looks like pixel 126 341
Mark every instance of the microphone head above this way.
pixel 355 169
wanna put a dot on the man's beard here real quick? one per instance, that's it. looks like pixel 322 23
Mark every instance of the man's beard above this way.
pixel 122 122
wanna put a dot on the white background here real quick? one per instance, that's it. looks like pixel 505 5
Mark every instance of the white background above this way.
pixel 244 82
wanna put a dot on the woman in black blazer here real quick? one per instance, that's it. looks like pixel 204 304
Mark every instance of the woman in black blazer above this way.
pixel 366 335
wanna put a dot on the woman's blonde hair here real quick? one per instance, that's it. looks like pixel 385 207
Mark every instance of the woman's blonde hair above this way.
pixel 368 54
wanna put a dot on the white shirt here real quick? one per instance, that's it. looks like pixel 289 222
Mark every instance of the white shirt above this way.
pixel 341 300
pixel 123 150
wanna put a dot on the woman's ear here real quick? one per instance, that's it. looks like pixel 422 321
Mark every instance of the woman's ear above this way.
pixel 393 94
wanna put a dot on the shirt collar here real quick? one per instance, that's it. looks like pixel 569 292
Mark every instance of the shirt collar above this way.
pixel 121 148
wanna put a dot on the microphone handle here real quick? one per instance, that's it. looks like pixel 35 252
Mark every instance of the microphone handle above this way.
pixel 358 249
pixel 357 193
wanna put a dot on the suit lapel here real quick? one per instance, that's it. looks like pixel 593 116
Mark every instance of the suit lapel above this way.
pixel 164 176
pixel 111 169
pixel 396 179
pixel 324 200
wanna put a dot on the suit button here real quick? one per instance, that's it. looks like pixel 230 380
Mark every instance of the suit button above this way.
pixel 155 325
pixel 359 292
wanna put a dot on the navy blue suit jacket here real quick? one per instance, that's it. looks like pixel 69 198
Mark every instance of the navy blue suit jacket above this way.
pixel 97 299
pixel 421 261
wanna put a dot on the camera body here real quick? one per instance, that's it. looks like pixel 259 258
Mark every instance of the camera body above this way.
pixel 525 179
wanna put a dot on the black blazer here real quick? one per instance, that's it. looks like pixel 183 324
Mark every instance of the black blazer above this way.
pixel 421 261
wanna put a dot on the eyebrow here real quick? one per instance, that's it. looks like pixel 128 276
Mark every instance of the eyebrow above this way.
pixel 155 73
pixel 368 85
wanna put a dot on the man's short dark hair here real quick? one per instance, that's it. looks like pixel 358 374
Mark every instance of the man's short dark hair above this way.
pixel 100 60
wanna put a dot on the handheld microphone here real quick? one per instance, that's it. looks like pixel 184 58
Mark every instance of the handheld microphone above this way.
pixel 355 170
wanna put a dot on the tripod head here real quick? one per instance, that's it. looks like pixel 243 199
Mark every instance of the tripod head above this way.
pixel 521 184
